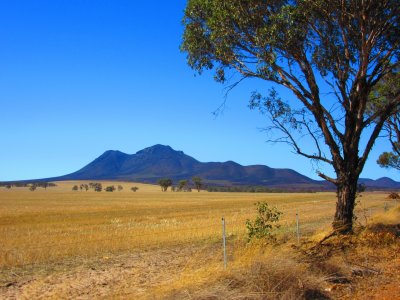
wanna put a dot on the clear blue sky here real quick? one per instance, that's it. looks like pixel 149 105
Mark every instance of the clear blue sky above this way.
pixel 80 77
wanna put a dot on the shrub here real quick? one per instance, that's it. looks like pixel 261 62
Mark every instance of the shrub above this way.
pixel 97 187
pixel 393 196
pixel 134 189
pixel 110 188
pixel 265 222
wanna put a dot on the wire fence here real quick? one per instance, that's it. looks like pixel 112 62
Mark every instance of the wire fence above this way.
pixel 296 225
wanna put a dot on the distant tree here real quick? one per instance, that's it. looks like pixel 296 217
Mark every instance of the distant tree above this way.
pixel 75 188
pixel 120 188
pixel 32 187
pixel 97 187
pixel 134 188
pixel 182 184
pixel 8 186
pixel 110 188
pixel 197 181
pixel 45 185
pixel 86 187
pixel 173 188
pixel 81 187
pixel 165 183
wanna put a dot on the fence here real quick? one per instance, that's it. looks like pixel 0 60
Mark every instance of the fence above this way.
pixel 296 224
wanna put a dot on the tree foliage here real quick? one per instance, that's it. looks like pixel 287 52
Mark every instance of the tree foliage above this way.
pixel 329 54
pixel 198 183
pixel 182 184
pixel 98 187
pixel 165 183
pixel 110 188
pixel 385 91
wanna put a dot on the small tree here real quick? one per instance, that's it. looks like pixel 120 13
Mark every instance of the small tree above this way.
pixel 120 188
pixel 75 188
pixel 134 189
pixel 165 183
pixel 110 188
pixel 182 184
pixel 32 187
pixel 86 187
pixel 197 181
pixel 265 222
pixel 8 186
pixel 98 187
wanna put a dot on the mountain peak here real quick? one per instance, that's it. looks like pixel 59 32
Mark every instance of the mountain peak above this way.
pixel 108 152
pixel 158 149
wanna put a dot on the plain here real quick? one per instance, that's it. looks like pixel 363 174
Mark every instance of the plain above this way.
pixel 57 242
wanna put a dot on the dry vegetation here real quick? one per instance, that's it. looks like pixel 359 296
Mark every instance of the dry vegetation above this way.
pixel 63 243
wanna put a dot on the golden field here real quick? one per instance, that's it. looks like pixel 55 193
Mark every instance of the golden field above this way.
pixel 138 244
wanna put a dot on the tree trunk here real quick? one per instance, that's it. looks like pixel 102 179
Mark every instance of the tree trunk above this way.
pixel 346 196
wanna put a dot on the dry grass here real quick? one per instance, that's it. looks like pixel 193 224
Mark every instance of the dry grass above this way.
pixel 365 265
pixel 56 236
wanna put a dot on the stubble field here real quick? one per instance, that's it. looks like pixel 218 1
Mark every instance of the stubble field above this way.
pixel 63 243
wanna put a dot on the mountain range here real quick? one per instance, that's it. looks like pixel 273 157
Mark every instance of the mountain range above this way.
pixel 159 161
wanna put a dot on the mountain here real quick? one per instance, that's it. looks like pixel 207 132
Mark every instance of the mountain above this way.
pixel 381 183
pixel 159 161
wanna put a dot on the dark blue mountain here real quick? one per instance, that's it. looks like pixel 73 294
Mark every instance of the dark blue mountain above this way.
pixel 159 161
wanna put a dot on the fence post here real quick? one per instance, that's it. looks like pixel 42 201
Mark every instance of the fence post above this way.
pixel 297 227
pixel 224 241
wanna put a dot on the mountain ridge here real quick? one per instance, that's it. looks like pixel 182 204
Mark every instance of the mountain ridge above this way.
pixel 159 161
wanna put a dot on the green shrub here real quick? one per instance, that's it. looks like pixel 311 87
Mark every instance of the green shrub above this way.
pixel 265 223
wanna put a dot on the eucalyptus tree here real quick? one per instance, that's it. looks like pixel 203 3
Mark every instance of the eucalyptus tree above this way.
pixel 165 183
pixel 182 184
pixel 197 181
pixel 328 54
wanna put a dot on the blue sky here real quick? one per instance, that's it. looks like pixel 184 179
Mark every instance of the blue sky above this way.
pixel 80 77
